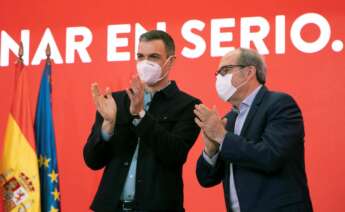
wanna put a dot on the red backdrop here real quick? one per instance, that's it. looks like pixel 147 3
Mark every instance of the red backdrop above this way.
pixel 311 70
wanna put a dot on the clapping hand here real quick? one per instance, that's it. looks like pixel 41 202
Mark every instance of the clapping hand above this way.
pixel 136 95
pixel 106 106
pixel 210 123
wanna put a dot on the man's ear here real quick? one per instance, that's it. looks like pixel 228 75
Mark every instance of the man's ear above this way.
pixel 251 71
pixel 171 61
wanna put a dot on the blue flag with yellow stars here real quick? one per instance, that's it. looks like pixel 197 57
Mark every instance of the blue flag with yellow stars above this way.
pixel 45 145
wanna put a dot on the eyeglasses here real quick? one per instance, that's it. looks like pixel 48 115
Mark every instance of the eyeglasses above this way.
pixel 227 69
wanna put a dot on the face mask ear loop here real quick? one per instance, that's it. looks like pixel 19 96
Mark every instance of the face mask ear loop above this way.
pixel 243 83
pixel 166 73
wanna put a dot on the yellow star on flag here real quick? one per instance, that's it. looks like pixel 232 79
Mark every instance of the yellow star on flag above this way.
pixel 56 194
pixel 53 176
pixel 46 162
pixel 53 209
pixel 41 160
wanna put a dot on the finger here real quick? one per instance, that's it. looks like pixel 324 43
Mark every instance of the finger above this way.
pixel 199 115
pixel 204 109
pixel 140 83
pixel 130 94
pixel 204 134
pixel 95 94
pixel 133 88
pixel 203 112
pixel 137 77
pixel 196 105
pixel 137 85
pixel 199 123
pixel 95 89
pixel 214 109
pixel 199 108
pixel 224 121
pixel 132 82
pixel 138 88
pixel 207 137
pixel 108 92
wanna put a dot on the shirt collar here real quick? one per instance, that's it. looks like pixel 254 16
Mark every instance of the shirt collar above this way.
pixel 148 95
pixel 169 90
pixel 248 101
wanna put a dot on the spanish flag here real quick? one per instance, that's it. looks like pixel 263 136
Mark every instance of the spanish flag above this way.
pixel 19 176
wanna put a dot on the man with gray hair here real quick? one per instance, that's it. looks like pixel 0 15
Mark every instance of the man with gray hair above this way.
pixel 257 149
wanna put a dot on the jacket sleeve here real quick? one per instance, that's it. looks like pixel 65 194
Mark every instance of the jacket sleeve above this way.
pixel 207 174
pixel 96 150
pixel 282 137
pixel 170 146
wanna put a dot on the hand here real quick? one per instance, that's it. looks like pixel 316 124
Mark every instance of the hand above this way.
pixel 211 146
pixel 136 95
pixel 106 106
pixel 210 122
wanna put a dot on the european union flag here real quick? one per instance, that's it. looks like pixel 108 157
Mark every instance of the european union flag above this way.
pixel 45 145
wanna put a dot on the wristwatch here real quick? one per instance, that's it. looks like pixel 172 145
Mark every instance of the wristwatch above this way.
pixel 140 115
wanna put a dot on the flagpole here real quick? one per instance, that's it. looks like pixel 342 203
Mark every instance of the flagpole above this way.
pixel 20 52
pixel 19 64
pixel 48 53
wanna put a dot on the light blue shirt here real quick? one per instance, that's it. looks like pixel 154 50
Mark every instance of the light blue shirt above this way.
pixel 242 115
pixel 128 191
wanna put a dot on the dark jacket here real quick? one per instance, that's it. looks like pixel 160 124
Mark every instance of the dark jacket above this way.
pixel 167 132
pixel 268 157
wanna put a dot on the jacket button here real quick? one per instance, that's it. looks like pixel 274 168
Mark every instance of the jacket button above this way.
pixel 125 163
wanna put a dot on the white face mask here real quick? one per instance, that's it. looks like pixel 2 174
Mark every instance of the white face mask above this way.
pixel 149 72
pixel 225 88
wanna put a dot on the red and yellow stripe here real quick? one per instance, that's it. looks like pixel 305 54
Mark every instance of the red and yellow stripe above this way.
pixel 19 175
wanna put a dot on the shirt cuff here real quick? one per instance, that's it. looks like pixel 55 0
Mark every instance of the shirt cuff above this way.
pixel 211 160
pixel 135 122
pixel 106 136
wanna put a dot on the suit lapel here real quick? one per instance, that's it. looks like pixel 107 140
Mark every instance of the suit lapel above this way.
pixel 231 116
pixel 253 109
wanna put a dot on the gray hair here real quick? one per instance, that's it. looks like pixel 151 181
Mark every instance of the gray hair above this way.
pixel 249 57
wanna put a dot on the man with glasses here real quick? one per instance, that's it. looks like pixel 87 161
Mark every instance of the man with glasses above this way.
pixel 257 149
pixel 142 135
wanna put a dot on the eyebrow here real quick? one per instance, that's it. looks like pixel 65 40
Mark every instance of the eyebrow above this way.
pixel 150 55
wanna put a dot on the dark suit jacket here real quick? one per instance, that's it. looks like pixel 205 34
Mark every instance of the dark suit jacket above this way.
pixel 268 157
pixel 167 132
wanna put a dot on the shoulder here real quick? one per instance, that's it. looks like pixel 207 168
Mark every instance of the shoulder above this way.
pixel 187 97
pixel 277 99
pixel 180 95
pixel 277 96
